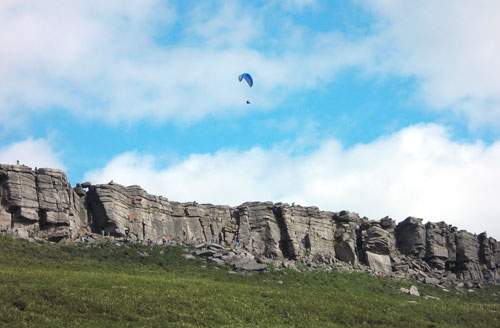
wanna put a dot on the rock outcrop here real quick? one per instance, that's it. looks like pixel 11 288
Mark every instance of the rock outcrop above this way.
pixel 41 203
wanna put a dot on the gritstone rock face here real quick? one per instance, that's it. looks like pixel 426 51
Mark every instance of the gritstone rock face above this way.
pixel 41 204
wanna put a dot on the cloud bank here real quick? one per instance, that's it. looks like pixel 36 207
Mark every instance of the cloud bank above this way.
pixel 418 171
pixel 151 60
pixel 142 60
pixel 450 47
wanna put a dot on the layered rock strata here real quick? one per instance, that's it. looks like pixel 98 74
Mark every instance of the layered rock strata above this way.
pixel 41 203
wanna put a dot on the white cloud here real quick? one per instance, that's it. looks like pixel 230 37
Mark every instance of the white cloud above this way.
pixel 117 62
pixel 31 152
pixel 146 60
pixel 61 54
pixel 451 47
pixel 417 171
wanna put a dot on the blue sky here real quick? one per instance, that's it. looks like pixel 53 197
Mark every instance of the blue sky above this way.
pixel 378 107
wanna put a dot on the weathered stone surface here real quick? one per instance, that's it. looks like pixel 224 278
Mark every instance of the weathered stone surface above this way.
pixel 377 240
pixel 441 245
pixel 486 253
pixel 257 230
pixel 59 204
pixel 19 196
pixel 379 263
pixel 467 263
pixel 217 261
pixel 249 265
pixel 346 236
pixel 79 191
pixel 41 204
pixel 204 252
pixel 496 251
pixel 432 281
pixel 411 237
pixel 414 291
pixel 345 251
pixel 305 231
pixel 346 216
pixel 130 210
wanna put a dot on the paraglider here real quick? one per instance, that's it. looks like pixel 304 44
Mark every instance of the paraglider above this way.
pixel 248 78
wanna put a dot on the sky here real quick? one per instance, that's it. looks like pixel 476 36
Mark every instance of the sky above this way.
pixel 383 108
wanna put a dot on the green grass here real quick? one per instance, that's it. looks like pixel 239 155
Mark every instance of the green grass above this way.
pixel 47 285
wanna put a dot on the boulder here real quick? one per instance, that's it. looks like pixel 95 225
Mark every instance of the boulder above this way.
pixel 204 252
pixel 432 281
pixel 414 291
pixel 379 263
pixel 346 216
pixel 217 261
pixel 248 265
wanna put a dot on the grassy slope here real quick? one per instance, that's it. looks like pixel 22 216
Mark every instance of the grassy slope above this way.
pixel 46 285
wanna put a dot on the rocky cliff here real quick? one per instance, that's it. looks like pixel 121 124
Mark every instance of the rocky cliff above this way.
pixel 41 203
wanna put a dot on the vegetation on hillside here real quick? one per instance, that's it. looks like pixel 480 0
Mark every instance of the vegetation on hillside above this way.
pixel 106 285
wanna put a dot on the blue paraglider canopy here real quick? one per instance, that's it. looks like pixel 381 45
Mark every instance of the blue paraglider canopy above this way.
pixel 247 77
